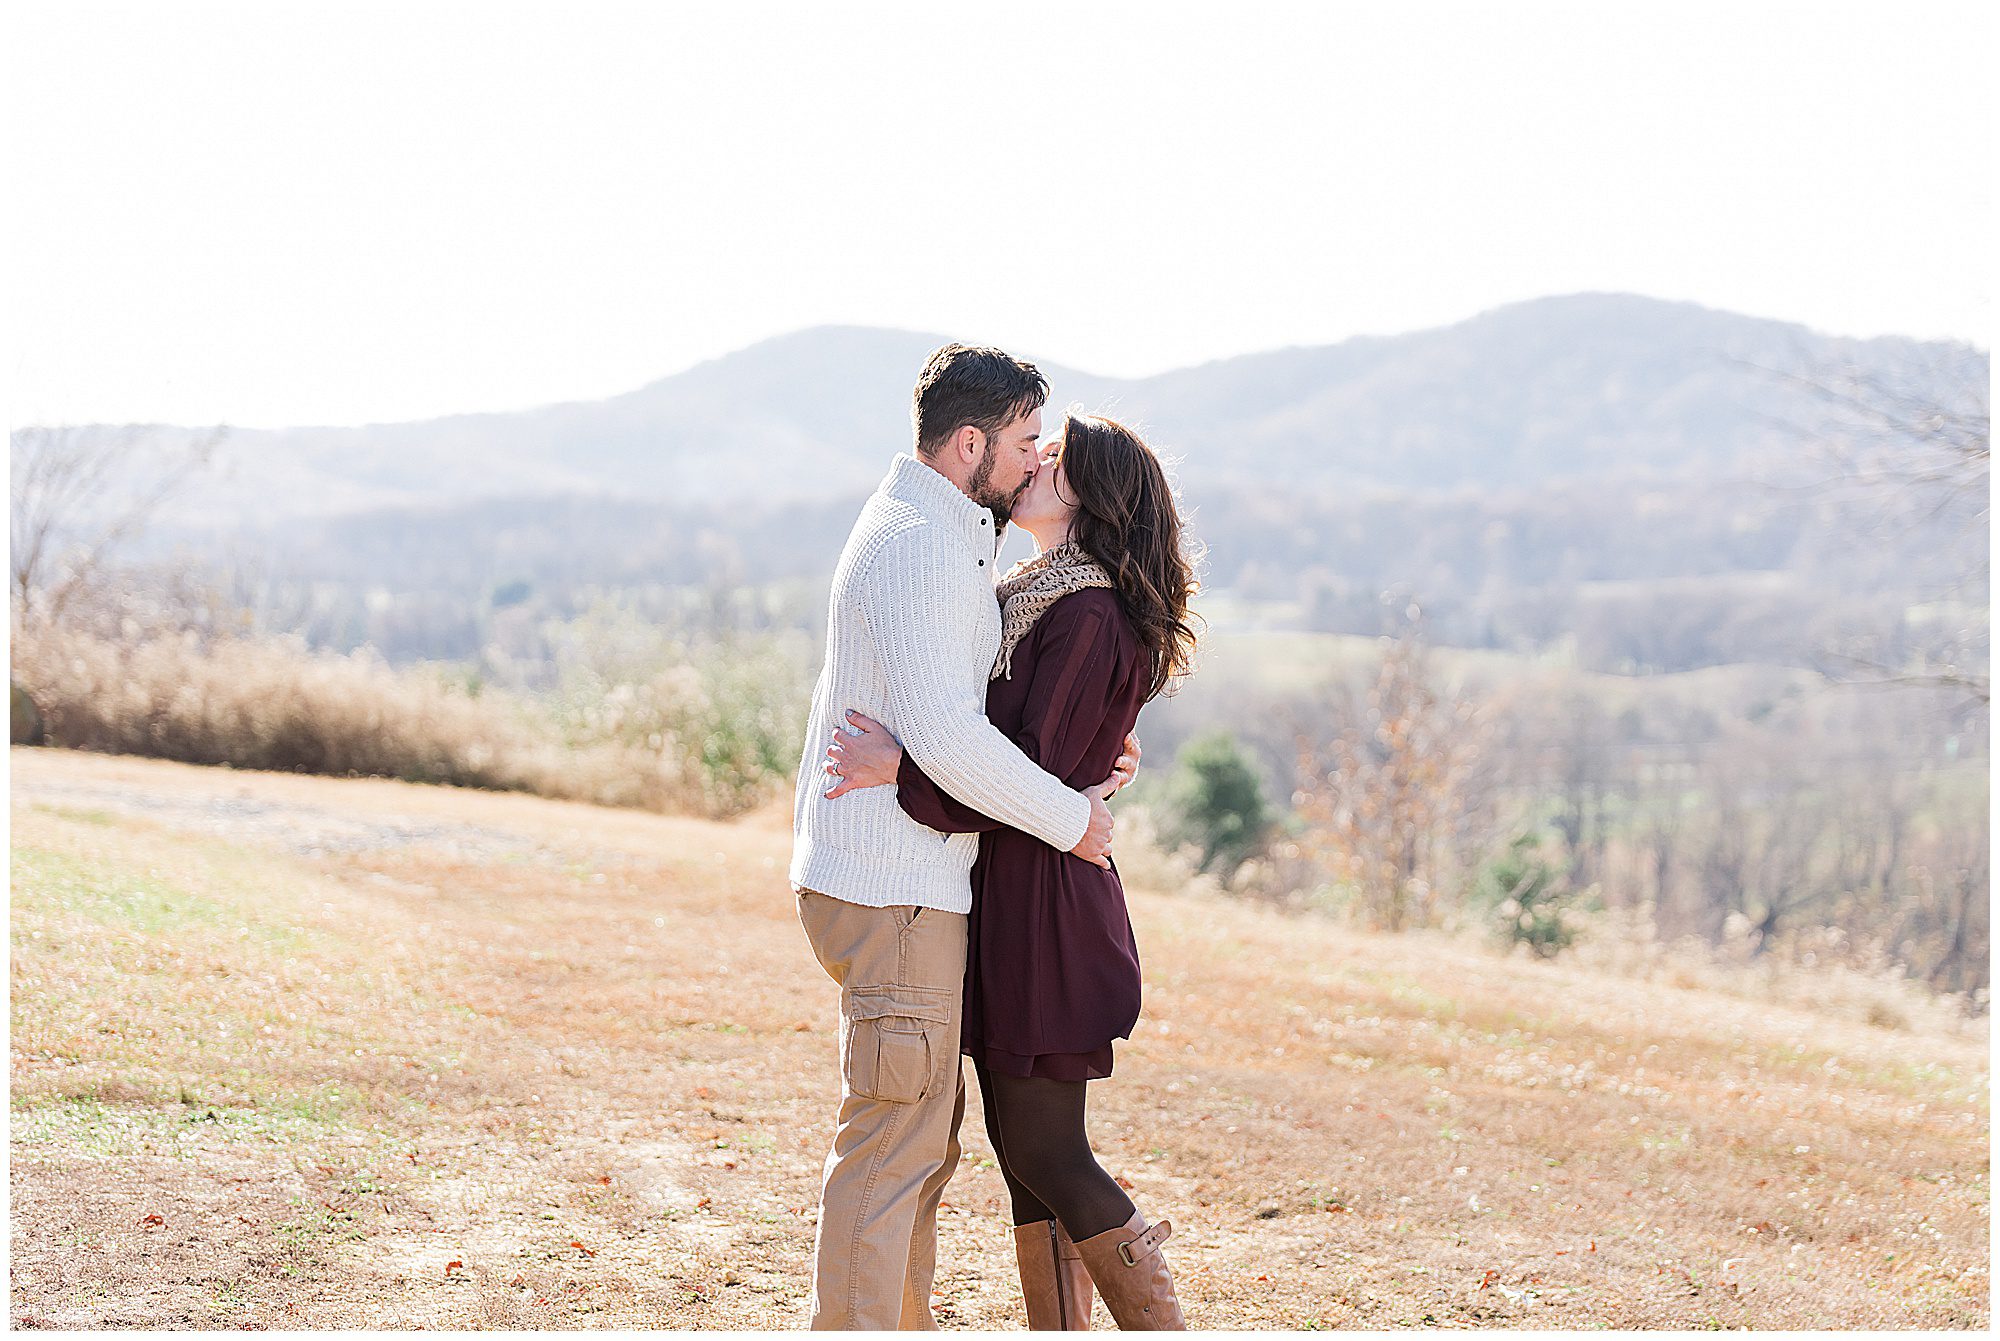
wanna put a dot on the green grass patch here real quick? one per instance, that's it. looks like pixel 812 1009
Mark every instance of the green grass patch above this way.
pixel 108 893
pixel 1915 1079
pixel 128 897
pixel 1432 1005
pixel 1927 1080
pixel 102 819
pixel 87 1126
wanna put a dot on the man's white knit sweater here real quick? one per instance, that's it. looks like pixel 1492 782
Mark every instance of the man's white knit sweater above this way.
pixel 912 629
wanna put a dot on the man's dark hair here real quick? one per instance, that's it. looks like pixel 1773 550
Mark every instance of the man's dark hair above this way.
pixel 972 384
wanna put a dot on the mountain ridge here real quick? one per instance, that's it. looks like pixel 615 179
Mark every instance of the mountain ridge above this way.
pixel 1560 387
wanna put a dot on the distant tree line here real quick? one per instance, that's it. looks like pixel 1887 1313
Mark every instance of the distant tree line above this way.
pixel 1418 803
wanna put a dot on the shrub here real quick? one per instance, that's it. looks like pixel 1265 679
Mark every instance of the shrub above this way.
pixel 1529 899
pixel 722 718
pixel 1215 803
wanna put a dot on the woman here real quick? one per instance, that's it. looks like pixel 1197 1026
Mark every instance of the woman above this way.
pixel 1095 624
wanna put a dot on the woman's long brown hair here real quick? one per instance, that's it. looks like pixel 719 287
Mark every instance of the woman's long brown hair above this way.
pixel 1127 520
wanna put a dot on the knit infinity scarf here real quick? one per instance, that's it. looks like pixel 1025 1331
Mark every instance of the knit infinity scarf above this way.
pixel 1032 586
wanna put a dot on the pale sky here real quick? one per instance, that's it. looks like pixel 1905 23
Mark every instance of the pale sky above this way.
pixel 269 214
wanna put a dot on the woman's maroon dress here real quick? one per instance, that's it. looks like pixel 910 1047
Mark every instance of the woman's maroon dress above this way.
pixel 1051 969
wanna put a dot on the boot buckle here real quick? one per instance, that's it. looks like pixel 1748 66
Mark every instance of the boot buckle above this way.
pixel 1146 1244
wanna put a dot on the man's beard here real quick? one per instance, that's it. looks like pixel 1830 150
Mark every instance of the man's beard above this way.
pixel 981 491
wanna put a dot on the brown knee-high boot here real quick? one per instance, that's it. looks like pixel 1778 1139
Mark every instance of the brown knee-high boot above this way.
pixel 1131 1273
pixel 1053 1279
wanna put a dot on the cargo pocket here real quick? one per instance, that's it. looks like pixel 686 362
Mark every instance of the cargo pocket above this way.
pixel 894 1035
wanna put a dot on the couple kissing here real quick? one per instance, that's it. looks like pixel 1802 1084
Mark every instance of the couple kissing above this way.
pixel 952 847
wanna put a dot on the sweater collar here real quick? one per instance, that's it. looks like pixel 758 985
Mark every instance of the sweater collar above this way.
pixel 942 501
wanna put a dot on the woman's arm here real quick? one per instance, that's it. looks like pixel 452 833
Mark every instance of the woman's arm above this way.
pixel 867 755
pixel 929 804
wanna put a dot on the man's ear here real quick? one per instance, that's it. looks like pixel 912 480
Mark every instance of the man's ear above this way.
pixel 970 444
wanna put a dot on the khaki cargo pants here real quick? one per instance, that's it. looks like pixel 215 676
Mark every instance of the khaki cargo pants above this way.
pixel 901 971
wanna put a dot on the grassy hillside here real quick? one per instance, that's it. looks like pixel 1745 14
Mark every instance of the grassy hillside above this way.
pixel 307 1053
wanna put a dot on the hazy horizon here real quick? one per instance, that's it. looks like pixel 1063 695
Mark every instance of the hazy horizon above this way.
pixel 1032 354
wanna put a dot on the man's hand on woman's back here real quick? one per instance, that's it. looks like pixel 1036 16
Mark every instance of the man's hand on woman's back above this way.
pixel 1126 768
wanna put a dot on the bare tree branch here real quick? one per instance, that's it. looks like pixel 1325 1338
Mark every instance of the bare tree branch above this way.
pixel 61 479
pixel 1912 445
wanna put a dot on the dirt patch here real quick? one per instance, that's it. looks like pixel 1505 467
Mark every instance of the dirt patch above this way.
pixel 304 830
pixel 150 1241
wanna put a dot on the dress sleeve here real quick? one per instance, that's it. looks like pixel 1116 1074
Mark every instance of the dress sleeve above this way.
pixel 1071 686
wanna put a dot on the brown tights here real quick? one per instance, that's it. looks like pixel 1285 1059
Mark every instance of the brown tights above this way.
pixel 1037 1129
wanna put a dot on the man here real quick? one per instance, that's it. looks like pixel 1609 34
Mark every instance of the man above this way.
pixel 912 631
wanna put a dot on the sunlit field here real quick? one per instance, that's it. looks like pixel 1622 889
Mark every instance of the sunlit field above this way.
pixel 313 1053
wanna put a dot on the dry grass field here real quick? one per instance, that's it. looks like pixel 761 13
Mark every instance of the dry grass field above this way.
pixel 295 1052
